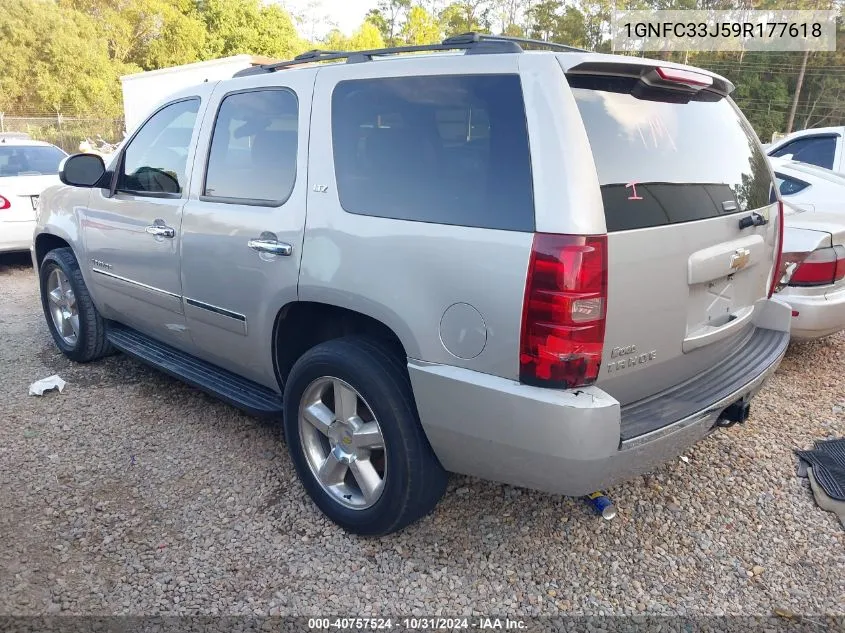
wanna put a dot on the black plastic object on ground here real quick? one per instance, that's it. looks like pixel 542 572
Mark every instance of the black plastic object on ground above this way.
pixel 828 462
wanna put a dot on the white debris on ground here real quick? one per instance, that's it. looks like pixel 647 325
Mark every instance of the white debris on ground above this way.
pixel 46 384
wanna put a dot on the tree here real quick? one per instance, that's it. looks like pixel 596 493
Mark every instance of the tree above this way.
pixel 311 19
pixel 179 39
pixel 465 17
pixel 800 82
pixel 51 62
pixel 544 19
pixel 420 28
pixel 595 16
pixel 507 14
pixel 377 19
pixel 275 34
pixel 245 26
pixel 367 37
pixel 335 40
pixel 148 33
pixel 552 21
pixel 393 10
pixel 572 29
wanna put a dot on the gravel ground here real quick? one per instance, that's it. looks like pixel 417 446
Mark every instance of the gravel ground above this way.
pixel 130 493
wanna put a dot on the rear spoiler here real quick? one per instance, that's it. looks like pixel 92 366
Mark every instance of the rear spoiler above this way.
pixel 658 73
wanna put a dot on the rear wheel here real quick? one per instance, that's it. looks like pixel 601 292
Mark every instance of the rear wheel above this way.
pixel 77 328
pixel 353 434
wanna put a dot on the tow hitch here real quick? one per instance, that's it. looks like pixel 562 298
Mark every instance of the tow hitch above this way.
pixel 737 412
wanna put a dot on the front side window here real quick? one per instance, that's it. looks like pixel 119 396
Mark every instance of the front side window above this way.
pixel 30 160
pixel 155 160
pixel 446 149
pixel 253 149
pixel 815 150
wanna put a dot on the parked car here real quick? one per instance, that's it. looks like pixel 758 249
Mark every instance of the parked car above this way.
pixel 809 187
pixel 820 146
pixel 560 314
pixel 27 167
pixel 814 262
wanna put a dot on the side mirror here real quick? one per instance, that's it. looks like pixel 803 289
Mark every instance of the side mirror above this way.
pixel 82 170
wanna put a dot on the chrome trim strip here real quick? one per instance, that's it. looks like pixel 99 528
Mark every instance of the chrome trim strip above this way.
pixel 215 309
pixel 135 283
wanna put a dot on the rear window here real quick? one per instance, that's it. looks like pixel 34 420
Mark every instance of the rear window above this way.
pixel 663 158
pixel 29 160
pixel 445 149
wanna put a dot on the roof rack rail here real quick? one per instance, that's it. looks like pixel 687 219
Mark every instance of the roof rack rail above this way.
pixel 472 43
pixel 554 46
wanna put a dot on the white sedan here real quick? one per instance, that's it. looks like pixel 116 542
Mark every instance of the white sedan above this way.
pixel 809 187
pixel 27 167
pixel 814 263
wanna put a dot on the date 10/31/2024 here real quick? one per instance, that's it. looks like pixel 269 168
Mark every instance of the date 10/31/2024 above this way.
pixel 416 624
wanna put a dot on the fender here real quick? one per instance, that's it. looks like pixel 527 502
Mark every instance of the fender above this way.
pixel 62 215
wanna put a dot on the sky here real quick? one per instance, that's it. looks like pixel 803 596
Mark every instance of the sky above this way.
pixel 322 15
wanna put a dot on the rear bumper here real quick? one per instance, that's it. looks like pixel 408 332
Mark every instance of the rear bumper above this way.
pixel 16 236
pixel 819 315
pixel 569 442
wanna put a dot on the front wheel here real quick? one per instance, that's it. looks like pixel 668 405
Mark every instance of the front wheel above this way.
pixel 354 437
pixel 77 328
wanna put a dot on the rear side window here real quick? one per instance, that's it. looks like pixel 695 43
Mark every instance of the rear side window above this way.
pixel 253 149
pixel 816 150
pixel 788 186
pixel 446 149
pixel 664 158
pixel 29 160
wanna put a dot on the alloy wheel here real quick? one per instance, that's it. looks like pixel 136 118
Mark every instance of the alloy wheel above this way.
pixel 63 306
pixel 343 443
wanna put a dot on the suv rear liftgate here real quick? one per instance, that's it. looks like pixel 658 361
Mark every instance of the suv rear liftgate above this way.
pixel 693 240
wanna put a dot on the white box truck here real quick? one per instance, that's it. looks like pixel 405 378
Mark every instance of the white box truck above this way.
pixel 144 91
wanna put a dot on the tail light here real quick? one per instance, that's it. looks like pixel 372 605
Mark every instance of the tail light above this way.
pixel 563 315
pixel 4 203
pixel 822 267
pixel 776 271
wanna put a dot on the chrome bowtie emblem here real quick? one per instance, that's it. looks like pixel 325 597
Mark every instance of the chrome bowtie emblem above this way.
pixel 740 258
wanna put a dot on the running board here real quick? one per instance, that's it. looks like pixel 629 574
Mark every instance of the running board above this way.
pixel 244 394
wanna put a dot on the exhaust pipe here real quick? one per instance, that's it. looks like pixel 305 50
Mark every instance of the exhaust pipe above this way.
pixel 737 412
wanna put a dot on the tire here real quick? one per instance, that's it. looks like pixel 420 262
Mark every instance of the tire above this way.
pixel 90 341
pixel 413 480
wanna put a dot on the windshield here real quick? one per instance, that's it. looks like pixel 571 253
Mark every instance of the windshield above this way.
pixel 665 157
pixel 29 160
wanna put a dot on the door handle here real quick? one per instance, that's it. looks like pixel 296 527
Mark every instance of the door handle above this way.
pixel 272 247
pixel 160 230
pixel 755 219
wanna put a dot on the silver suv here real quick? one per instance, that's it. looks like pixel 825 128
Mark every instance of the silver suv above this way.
pixel 546 268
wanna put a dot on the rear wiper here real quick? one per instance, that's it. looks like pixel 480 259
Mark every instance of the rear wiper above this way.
pixel 755 219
